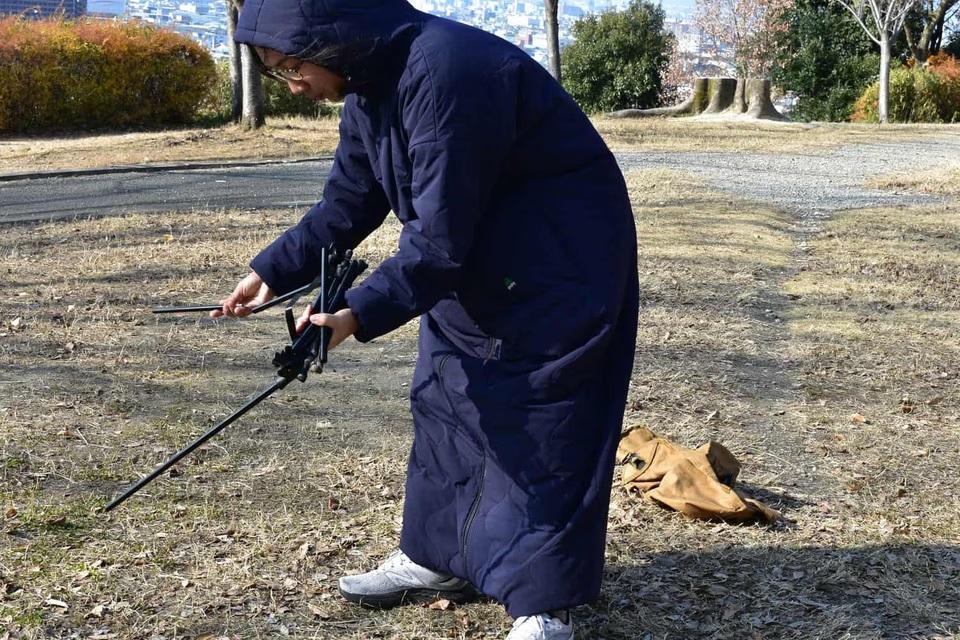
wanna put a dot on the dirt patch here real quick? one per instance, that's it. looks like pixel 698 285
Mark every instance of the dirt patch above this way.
pixel 747 336
pixel 282 138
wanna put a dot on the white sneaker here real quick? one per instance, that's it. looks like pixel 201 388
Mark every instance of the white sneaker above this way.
pixel 542 626
pixel 399 580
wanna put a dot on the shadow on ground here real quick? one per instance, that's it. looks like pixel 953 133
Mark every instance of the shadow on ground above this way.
pixel 896 591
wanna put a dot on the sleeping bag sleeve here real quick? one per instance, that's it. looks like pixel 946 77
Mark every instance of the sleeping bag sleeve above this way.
pixel 352 207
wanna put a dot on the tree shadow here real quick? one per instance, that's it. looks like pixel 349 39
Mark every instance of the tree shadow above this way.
pixel 881 591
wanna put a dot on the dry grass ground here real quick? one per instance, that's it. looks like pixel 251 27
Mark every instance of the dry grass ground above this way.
pixel 752 333
pixel 705 134
pixel 282 138
pixel 942 180
pixel 296 137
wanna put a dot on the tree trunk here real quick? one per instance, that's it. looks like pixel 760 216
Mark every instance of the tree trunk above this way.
pixel 936 41
pixel 553 38
pixel 745 97
pixel 693 105
pixel 759 104
pixel 931 32
pixel 253 102
pixel 236 82
pixel 722 92
pixel 739 97
pixel 884 76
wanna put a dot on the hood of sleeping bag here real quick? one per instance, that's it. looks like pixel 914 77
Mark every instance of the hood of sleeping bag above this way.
pixel 359 40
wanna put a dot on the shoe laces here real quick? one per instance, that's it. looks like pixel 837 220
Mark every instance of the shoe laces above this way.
pixel 396 560
pixel 544 621
pixel 522 620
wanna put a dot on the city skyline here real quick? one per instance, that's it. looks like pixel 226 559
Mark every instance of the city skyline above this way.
pixel 521 22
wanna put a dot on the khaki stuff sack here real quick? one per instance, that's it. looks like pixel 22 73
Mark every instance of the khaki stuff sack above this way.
pixel 696 482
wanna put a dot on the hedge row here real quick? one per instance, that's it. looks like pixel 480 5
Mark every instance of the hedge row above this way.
pixel 278 101
pixel 58 74
pixel 927 94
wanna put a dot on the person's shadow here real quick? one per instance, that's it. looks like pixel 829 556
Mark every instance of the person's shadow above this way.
pixel 872 591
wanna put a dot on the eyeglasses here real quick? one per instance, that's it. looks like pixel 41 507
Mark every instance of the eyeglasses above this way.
pixel 282 74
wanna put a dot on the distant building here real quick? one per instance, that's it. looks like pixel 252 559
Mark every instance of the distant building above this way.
pixel 43 8
pixel 105 8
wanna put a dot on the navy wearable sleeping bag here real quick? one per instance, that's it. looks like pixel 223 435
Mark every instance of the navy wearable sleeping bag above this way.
pixel 518 251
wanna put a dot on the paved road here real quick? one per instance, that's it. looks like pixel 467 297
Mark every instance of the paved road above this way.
pixel 252 187
pixel 811 184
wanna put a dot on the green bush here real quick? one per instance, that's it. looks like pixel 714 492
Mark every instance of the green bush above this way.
pixel 915 95
pixel 279 101
pixel 57 74
pixel 826 59
pixel 618 58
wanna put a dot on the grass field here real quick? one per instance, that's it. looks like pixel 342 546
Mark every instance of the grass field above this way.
pixel 297 137
pixel 282 138
pixel 827 360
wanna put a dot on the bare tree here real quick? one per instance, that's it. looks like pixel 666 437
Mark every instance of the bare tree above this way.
pixel 553 38
pixel 933 15
pixel 750 27
pixel 883 25
pixel 236 84
pixel 247 104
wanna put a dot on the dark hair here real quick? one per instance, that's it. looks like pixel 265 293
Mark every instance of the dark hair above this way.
pixel 350 61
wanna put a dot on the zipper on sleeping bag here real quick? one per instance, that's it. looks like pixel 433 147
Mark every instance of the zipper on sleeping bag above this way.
pixel 475 505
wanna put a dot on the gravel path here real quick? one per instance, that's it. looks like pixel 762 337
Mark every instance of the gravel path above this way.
pixel 811 184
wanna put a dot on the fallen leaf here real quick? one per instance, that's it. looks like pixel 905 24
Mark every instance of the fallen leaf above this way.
pixel 858 418
pixel 333 504
pixel 441 605
pixel 305 549
pixel 317 611
pixel 51 602
pixel 16 324
pixel 11 512
pixel 96 612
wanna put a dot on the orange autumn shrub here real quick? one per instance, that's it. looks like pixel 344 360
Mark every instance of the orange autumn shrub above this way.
pixel 944 65
pixel 58 75
pixel 917 94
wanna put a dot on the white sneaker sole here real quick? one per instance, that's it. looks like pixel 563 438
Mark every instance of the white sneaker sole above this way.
pixel 411 595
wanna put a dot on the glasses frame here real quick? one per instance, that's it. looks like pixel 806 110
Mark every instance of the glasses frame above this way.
pixel 288 74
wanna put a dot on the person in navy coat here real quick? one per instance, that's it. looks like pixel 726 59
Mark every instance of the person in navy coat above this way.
pixel 517 252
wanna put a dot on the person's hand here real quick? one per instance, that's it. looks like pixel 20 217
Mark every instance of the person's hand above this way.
pixel 249 293
pixel 343 323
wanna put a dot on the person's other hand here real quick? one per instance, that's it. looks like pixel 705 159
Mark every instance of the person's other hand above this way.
pixel 343 323
pixel 249 293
